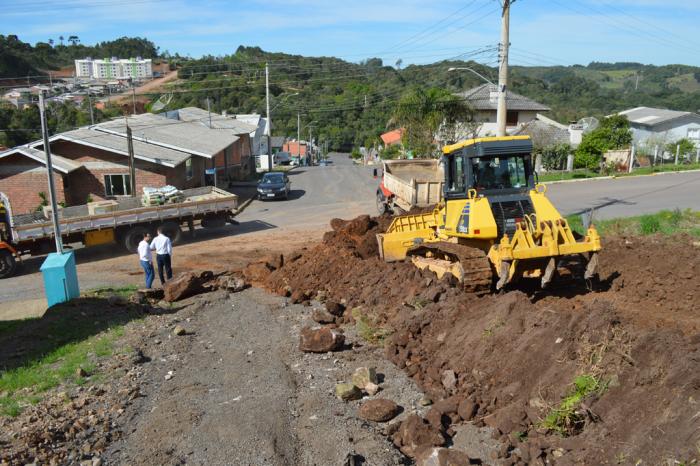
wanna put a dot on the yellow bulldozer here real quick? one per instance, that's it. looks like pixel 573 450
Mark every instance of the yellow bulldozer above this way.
pixel 493 224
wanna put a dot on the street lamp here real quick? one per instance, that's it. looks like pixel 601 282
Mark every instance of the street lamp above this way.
pixel 473 71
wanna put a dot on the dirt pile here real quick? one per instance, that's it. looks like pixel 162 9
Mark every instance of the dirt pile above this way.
pixel 568 375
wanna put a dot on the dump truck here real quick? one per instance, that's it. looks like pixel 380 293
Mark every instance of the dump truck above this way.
pixel 493 224
pixel 409 183
pixel 124 221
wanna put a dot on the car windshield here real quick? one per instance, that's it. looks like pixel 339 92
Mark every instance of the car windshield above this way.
pixel 499 172
pixel 273 179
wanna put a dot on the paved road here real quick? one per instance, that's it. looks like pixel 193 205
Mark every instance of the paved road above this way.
pixel 629 196
pixel 318 195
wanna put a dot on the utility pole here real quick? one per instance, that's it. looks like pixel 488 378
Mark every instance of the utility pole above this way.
pixel 299 137
pixel 49 169
pixel 132 165
pixel 133 98
pixel 209 110
pixel 92 116
pixel 503 68
pixel 268 126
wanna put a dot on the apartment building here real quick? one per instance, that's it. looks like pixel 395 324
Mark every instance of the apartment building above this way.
pixel 114 68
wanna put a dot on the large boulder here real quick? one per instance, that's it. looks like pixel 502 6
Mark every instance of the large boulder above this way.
pixel 347 392
pixel 232 283
pixel 415 433
pixel 320 340
pixel 438 456
pixel 379 410
pixel 364 376
pixel 187 284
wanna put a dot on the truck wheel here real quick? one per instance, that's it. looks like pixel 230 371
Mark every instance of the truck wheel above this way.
pixel 214 221
pixel 8 265
pixel 381 204
pixel 133 237
pixel 173 231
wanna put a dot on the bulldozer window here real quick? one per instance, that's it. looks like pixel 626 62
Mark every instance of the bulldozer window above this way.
pixel 499 172
pixel 456 174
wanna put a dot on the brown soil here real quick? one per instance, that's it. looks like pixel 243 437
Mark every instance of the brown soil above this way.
pixel 517 354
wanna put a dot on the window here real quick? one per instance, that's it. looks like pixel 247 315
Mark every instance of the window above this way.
pixel 694 133
pixel 512 118
pixel 499 172
pixel 117 185
pixel 456 172
pixel 189 173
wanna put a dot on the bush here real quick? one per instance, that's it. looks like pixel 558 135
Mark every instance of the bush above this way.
pixel 649 224
pixel 686 147
pixel 355 154
pixel 390 152
pixel 612 133
pixel 554 156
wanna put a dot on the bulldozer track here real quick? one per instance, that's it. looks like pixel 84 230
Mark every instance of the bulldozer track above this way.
pixel 476 267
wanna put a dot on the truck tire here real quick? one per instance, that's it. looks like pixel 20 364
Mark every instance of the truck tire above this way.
pixel 133 237
pixel 382 208
pixel 8 265
pixel 214 221
pixel 172 230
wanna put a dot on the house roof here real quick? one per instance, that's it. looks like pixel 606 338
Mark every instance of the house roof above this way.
pixel 118 145
pixel 185 136
pixel 392 137
pixel 201 116
pixel 481 99
pixel 648 116
pixel 60 164
pixel 543 133
pixel 277 141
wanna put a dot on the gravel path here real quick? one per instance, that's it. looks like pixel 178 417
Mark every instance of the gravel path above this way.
pixel 242 393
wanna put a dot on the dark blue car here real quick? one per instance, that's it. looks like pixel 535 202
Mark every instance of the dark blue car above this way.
pixel 274 186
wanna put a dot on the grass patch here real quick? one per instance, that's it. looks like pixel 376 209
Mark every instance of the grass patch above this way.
pixel 368 328
pixel 586 174
pixel 567 418
pixel 666 222
pixel 24 385
pixel 107 291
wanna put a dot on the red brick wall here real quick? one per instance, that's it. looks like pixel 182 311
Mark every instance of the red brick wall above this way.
pixel 22 179
pixel 292 147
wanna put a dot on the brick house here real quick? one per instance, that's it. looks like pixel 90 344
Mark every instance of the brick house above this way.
pixel 92 163
pixel 295 148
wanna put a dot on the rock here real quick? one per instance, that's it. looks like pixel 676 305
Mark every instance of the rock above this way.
pixel 448 405
pixel 97 461
pixel 449 379
pixel 320 340
pixel 372 389
pixel 179 330
pixel 425 401
pixel 231 283
pixel 80 372
pixel 347 392
pixel 138 298
pixel 169 375
pixel 186 284
pixel 322 316
pixel 299 296
pixel 335 308
pixel 321 296
pixel 116 300
pixel 139 357
pixel 414 433
pixel 379 410
pixel 363 376
pixel 437 456
pixel 152 294
pixel 467 409
pixel 435 418
pixel 256 272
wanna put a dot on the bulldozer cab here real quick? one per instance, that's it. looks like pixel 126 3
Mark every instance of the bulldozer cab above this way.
pixel 491 166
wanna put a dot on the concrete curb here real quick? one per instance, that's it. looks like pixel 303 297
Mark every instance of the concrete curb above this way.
pixel 597 178
pixel 243 206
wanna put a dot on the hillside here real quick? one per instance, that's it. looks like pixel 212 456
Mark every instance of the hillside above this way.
pixel 351 103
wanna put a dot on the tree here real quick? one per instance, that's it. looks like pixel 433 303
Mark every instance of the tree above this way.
pixel 399 62
pixel 686 147
pixel 423 112
pixel 61 39
pixel 51 42
pixel 73 40
pixel 612 133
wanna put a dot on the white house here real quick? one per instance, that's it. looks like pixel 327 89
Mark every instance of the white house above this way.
pixel 257 138
pixel 114 68
pixel 652 126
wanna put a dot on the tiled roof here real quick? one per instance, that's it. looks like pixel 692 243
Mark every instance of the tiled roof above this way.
pixel 649 116
pixel 59 163
pixel 277 141
pixel 118 144
pixel 392 137
pixel 543 134
pixel 484 97
pixel 184 136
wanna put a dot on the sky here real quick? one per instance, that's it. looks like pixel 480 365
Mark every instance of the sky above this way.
pixel 543 32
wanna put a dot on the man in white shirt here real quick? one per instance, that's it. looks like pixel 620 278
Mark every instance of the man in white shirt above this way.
pixel 164 250
pixel 145 259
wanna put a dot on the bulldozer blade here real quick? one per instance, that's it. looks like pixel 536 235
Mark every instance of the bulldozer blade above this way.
pixel 503 275
pixel 549 272
pixel 439 266
pixel 592 266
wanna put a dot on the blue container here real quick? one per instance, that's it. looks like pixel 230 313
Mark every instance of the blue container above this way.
pixel 60 278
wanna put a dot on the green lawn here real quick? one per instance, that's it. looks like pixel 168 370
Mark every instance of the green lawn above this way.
pixel 665 222
pixel 47 352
